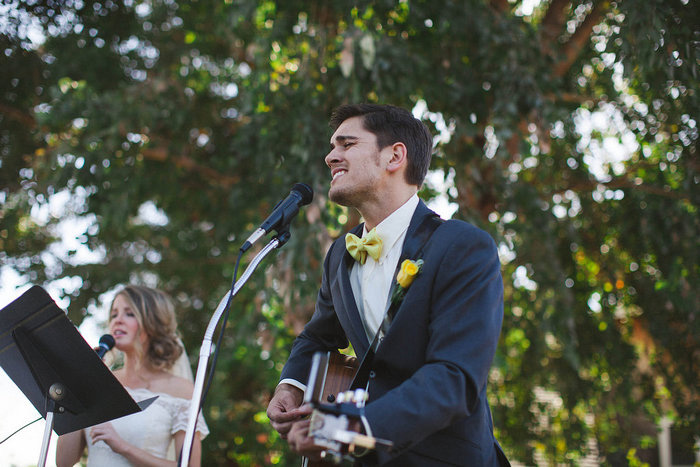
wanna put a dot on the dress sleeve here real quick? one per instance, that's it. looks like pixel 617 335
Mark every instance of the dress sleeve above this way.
pixel 181 411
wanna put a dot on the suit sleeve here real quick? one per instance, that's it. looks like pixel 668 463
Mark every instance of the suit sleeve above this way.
pixel 466 311
pixel 322 333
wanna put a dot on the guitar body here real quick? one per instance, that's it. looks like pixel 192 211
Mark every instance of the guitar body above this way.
pixel 338 376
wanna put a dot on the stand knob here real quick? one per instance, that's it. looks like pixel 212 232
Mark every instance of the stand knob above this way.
pixel 57 391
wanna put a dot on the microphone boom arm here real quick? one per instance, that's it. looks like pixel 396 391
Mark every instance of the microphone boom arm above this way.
pixel 205 349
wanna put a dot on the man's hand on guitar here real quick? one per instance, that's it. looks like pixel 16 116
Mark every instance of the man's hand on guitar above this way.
pixel 300 442
pixel 285 408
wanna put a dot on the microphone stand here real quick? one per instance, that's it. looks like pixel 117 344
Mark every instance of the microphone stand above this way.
pixel 205 349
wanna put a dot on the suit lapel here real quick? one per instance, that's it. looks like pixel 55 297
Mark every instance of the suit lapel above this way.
pixel 414 240
pixel 346 307
pixel 419 231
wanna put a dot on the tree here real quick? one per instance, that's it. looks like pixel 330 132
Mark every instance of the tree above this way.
pixel 568 131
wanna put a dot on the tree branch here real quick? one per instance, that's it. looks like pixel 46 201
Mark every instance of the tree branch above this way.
pixel 18 115
pixel 622 183
pixel 552 23
pixel 499 5
pixel 161 155
pixel 573 98
pixel 573 47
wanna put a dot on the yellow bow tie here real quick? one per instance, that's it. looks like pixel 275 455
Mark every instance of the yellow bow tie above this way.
pixel 359 248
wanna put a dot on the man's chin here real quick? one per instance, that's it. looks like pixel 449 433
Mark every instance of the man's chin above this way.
pixel 338 197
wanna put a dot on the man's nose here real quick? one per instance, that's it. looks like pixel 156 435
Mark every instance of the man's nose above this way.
pixel 331 158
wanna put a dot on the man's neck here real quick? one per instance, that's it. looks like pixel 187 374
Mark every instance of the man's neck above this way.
pixel 374 214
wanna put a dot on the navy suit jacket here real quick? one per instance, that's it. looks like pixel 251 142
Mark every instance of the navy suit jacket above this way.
pixel 428 381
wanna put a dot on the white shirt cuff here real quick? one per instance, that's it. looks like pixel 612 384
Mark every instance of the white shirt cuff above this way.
pixel 294 383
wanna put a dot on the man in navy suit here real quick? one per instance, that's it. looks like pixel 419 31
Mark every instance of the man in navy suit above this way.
pixel 435 340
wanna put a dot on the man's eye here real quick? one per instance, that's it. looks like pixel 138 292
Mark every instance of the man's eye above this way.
pixel 347 145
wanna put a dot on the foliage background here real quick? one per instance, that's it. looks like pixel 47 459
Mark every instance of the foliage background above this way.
pixel 567 129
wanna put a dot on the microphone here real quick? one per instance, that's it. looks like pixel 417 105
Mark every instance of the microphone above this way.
pixel 106 343
pixel 282 215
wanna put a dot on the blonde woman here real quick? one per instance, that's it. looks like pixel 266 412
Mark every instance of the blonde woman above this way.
pixel 142 322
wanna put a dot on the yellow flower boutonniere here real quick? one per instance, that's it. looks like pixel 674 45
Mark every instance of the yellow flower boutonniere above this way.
pixel 408 271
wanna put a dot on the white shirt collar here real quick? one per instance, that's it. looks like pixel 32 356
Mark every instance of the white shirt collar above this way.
pixel 395 225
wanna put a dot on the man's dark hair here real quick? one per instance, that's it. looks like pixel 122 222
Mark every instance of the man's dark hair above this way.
pixel 393 124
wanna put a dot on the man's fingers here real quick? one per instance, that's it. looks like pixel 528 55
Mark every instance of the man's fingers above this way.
pixel 282 428
pixel 299 412
pixel 283 417
pixel 297 436
pixel 305 409
pixel 300 442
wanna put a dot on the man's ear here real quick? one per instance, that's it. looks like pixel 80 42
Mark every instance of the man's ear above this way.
pixel 399 157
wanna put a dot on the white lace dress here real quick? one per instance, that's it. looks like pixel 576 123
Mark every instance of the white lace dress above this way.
pixel 151 430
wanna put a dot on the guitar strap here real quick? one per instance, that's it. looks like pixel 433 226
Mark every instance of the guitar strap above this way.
pixel 413 248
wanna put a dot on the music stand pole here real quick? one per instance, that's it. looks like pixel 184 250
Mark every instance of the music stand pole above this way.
pixel 205 349
pixel 56 393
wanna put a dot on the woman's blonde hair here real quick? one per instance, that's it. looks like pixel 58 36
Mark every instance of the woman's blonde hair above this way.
pixel 155 313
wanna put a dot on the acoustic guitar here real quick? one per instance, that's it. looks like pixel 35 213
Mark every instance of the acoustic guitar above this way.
pixel 331 375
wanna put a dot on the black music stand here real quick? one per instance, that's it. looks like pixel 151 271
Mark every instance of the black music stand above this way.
pixel 62 376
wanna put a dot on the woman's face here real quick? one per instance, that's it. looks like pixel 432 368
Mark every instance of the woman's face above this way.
pixel 124 326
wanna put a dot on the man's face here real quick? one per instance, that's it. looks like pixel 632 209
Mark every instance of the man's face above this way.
pixel 355 162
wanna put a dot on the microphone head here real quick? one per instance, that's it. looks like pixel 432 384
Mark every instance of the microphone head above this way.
pixel 107 341
pixel 307 194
